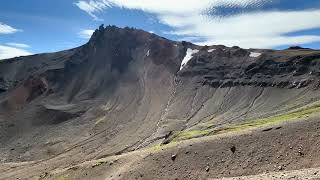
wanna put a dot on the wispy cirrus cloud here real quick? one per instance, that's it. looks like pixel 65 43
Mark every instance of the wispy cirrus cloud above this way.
pixel 6 29
pixel 91 7
pixel 201 20
pixel 86 34
pixel 7 52
pixel 18 45
pixel 164 6
pixel 258 29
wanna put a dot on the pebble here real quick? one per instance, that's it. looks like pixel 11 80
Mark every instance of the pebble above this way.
pixel 173 157
pixel 207 168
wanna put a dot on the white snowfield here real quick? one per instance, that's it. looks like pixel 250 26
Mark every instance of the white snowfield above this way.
pixel 211 50
pixel 255 54
pixel 148 53
pixel 189 55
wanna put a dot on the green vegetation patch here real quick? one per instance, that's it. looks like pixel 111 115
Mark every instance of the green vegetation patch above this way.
pixel 100 120
pixel 98 164
pixel 161 147
pixel 63 177
pixel 298 114
pixel 184 135
pixel 255 123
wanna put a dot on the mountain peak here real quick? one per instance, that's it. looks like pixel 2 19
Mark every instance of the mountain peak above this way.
pixel 114 32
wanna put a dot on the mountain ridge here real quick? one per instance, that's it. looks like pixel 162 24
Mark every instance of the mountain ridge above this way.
pixel 128 90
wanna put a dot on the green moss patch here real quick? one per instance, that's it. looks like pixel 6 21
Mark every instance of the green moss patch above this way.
pixel 63 177
pixel 298 114
pixel 100 120
pixel 184 135
pixel 98 164
pixel 301 113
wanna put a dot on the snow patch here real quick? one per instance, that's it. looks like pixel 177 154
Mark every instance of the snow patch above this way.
pixel 211 50
pixel 148 53
pixel 188 56
pixel 255 54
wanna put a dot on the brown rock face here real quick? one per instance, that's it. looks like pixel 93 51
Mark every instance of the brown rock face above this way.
pixel 31 88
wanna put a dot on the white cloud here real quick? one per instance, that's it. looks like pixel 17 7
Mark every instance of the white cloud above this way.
pixel 164 6
pixel 18 45
pixel 263 42
pixel 86 34
pixel 259 30
pixel 6 29
pixel 10 52
pixel 190 18
pixel 92 7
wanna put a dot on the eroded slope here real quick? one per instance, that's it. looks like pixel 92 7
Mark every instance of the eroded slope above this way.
pixel 126 90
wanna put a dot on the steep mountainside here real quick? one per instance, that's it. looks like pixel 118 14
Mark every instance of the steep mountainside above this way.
pixel 127 90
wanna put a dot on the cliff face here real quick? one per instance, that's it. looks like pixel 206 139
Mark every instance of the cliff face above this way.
pixel 127 89
pixel 227 67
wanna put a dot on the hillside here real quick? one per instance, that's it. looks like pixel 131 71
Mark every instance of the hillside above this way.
pixel 132 105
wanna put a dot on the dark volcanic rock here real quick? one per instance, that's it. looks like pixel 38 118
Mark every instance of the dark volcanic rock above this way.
pixel 237 68
pixel 173 157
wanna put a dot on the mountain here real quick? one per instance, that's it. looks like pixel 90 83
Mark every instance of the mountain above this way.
pixel 132 105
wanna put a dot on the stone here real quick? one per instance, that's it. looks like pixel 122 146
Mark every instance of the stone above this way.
pixel 207 168
pixel 233 149
pixel 173 157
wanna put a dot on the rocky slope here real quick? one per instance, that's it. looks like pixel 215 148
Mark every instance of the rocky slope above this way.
pixel 127 90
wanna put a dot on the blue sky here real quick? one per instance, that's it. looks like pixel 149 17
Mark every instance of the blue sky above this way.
pixel 37 26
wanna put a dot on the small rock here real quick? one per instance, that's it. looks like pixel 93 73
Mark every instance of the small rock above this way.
pixel 173 157
pixel 300 153
pixel 233 149
pixel 280 168
pixel 267 129
pixel 207 168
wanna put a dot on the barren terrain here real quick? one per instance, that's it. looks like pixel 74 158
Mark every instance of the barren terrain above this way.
pixel 132 105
